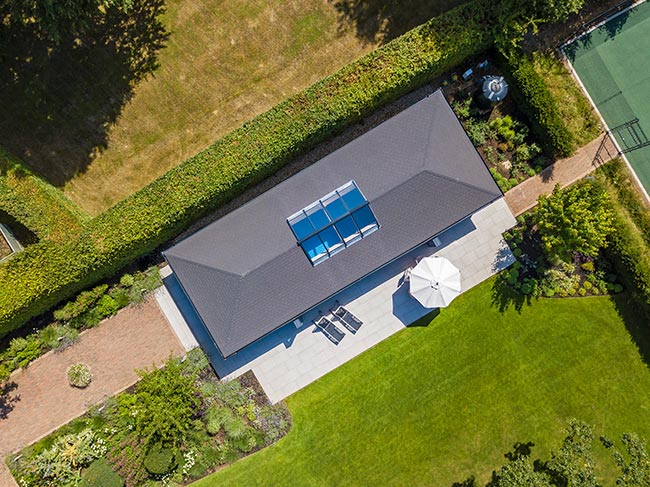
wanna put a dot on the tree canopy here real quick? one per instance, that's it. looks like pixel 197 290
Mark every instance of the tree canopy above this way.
pixel 577 219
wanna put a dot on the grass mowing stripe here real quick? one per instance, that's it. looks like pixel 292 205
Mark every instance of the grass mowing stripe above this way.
pixel 433 405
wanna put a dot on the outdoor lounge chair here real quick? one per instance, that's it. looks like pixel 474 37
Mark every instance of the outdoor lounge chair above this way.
pixel 350 321
pixel 330 330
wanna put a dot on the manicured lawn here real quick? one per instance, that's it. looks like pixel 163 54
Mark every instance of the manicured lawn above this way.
pixel 435 404
pixel 224 63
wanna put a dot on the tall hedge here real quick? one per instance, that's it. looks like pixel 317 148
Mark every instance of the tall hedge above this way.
pixel 39 206
pixel 631 238
pixel 48 272
pixel 535 99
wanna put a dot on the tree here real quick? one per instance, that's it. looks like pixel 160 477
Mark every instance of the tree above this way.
pixel 636 471
pixel 163 405
pixel 51 19
pixel 576 219
pixel 518 17
pixel 573 463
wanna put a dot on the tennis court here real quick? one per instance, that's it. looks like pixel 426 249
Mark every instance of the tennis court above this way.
pixel 613 63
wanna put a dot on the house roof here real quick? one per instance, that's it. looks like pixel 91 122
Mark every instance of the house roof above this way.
pixel 245 274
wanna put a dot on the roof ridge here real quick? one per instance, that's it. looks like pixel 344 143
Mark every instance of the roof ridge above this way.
pixel 201 264
pixel 462 183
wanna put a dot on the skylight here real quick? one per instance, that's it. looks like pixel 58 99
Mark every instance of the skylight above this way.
pixel 332 223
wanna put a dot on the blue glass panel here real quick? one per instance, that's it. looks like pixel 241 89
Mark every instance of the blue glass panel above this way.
pixel 353 197
pixel 318 217
pixel 347 228
pixel 301 226
pixel 365 219
pixel 330 238
pixel 335 207
pixel 314 248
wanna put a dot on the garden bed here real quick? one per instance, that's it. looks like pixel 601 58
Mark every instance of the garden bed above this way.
pixel 177 424
pixel 501 135
pixel 534 275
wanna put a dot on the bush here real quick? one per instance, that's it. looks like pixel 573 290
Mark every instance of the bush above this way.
pixel 79 375
pixel 127 280
pixel 100 474
pixel 588 266
pixel 215 419
pixel 159 460
pixel 46 273
pixel 58 337
pixel 82 304
pixel 106 306
pixel 536 101
pixel 23 350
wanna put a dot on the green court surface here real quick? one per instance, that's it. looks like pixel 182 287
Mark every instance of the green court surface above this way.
pixel 613 62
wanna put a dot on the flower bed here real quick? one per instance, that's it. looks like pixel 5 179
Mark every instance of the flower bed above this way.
pixel 534 275
pixel 503 139
pixel 83 312
pixel 177 424
pixel 79 375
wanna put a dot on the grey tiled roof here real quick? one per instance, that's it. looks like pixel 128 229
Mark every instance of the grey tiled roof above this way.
pixel 245 273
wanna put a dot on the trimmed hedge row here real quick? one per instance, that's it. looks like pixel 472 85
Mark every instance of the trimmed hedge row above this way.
pixel 36 204
pixel 46 273
pixel 631 239
pixel 535 99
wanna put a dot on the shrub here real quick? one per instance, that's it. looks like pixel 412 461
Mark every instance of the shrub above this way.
pixel 79 375
pixel 82 304
pixel 215 419
pixel 161 408
pixel 588 266
pixel 106 306
pixel 46 273
pixel 23 350
pixel 536 101
pixel 100 474
pixel 127 280
pixel 58 337
pixel 159 460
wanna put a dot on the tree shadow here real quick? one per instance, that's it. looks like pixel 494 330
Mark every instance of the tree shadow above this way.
pixel 636 316
pixel 380 21
pixel 504 297
pixel 58 101
pixel 8 400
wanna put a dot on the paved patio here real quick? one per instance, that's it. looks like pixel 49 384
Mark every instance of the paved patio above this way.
pixel 291 358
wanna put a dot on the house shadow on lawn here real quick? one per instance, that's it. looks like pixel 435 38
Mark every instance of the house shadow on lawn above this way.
pixel 59 100
pixel 381 21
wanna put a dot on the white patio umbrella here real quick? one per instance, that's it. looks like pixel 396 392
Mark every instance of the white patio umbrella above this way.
pixel 434 282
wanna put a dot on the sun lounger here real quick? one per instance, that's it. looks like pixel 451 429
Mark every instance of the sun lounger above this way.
pixel 330 330
pixel 350 321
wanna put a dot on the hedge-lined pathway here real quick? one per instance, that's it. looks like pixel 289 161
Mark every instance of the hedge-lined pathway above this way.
pixel 137 337
pixel 563 172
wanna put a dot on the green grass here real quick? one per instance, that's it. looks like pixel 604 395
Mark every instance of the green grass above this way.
pixel 435 404
pixel 223 64
pixel 574 107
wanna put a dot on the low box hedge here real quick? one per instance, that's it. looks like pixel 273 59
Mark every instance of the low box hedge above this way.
pixel 48 272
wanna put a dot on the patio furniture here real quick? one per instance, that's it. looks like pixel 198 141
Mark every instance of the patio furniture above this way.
pixel 350 321
pixel 330 330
